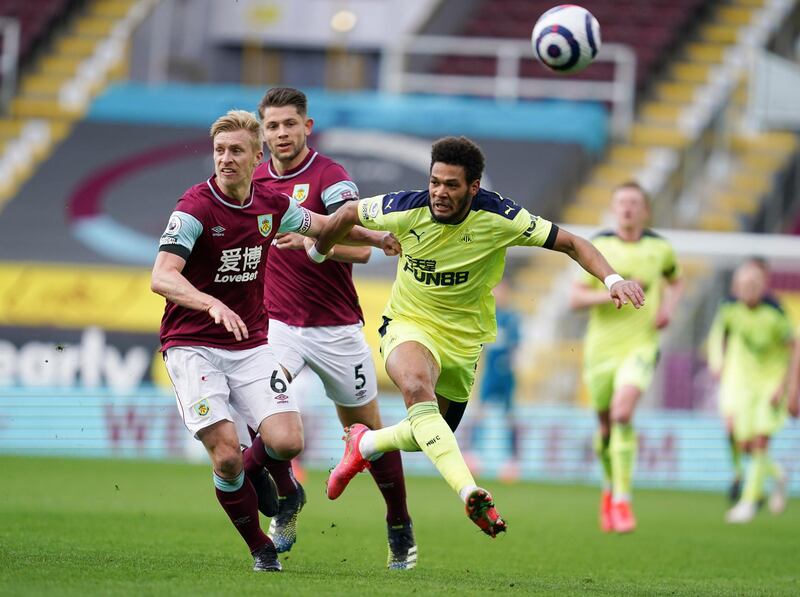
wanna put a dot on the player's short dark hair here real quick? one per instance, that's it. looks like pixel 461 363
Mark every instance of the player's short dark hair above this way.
pixel 632 184
pixel 277 97
pixel 459 151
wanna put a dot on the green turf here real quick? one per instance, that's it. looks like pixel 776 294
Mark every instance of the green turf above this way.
pixel 78 527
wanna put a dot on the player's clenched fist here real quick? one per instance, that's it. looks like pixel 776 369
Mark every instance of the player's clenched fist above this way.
pixel 390 245
pixel 627 291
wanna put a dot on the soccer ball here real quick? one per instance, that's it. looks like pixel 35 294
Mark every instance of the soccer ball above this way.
pixel 566 38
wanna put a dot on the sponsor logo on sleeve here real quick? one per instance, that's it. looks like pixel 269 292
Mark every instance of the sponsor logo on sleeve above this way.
pixel 531 228
pixel 300 192
pixel 173 226
pixel 305 225
pixel 370 209
pixel 265 224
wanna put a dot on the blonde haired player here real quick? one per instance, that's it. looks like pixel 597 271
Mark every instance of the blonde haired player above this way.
pixel 213 332
pixel 621 348
pixel 750 349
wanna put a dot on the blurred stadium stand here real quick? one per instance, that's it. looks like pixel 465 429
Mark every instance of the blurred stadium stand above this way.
pixel 36 19
pixel 108 125
pixel 652 29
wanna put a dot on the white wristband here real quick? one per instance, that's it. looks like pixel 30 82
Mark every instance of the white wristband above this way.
pixel 315 255
pixel 612 279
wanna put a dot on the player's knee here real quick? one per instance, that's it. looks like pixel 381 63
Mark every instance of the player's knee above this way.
pixel 227 460
pixel 604 429
pixel 417 389
pixel 286 448
pixel 621 416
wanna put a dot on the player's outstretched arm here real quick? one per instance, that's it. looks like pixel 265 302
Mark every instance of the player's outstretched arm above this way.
pixel 342 227
pixel 589 258
pixel 168 281
pixel 343 253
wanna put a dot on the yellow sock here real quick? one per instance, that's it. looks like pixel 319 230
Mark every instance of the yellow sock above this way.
pixel 756 474
pixel 395 437
pixel 773 469
pixel 601 449
pixel 623 460
pixel 435 438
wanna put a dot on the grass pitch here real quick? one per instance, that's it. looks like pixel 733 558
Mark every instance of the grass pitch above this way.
pixel 86 527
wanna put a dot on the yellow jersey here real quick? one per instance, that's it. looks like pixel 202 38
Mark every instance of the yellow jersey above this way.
pixel 447 271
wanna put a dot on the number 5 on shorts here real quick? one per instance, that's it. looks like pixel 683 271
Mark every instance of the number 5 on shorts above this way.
pixel 361 379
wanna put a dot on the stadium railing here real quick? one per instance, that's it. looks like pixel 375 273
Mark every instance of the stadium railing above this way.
pixel 507 84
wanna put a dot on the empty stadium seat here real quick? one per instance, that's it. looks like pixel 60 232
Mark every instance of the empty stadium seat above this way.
pixel 35 16
pixel 650 27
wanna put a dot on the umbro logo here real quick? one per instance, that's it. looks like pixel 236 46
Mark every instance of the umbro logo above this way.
pixel 218 231
pixel 419 236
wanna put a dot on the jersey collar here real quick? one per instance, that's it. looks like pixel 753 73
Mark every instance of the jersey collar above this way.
pixel 642 234
pixel 224 199
pixel 299 169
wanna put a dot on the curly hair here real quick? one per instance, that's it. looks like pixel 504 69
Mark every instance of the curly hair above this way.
pixel 459 151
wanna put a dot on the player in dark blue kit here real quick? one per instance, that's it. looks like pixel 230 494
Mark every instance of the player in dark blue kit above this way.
pixel 499 381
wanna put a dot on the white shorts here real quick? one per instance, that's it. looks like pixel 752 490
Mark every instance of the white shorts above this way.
pixel 339 355
pixel 209 381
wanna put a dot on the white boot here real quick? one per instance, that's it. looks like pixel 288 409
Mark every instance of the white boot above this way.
pixel 778 497
pixel 741 513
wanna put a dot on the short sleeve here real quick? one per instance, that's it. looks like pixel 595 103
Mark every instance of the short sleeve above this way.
pixel 338 193
pixel 528 230
pixel 371 214
pixel 182 231
pixel 295 219
pixel 785 328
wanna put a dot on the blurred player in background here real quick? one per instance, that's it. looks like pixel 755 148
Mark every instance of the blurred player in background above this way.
pixel 750 347
pixel 715 346
pixel 210 268
pixel 454 238
pixel 315 318
pixel 498 381
pixel 621 349
pixel 793 392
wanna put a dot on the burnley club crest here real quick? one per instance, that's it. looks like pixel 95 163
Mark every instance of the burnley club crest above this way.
pixel 265 224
